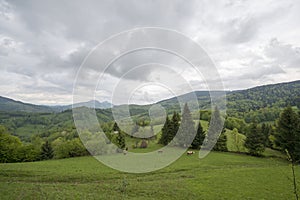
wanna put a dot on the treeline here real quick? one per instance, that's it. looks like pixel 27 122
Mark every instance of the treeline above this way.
pixel 63 141
pixel 12 149
pixel 187 135
pixel 284 135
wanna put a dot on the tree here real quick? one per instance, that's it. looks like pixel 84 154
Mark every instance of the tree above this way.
pixel 221 144
pixel 255 141
pixel 200 136
pixel 9 147
pixel 173 126
pixel 121 140
pixel 287 135
pixel 164 139
pixel 237 140
pixel 186 131
pixel 46 151
pixel 265 129
pixel 216 126
pixel 116 127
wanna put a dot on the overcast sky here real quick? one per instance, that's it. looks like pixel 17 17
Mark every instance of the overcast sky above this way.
pixel 43 43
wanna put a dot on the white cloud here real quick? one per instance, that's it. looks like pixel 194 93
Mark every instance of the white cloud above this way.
pixel 43 43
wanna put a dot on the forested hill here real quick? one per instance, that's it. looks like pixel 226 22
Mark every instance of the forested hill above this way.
pixel 10 105
pixel 277 95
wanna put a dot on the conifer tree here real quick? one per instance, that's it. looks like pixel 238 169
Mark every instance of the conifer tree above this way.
pixel 46 151
pixel 200 136
pixel 164 139
pixel 214 128
pixel 288 133
pixel 221 144
pixel 120 139
pixel 255 141
pixel 186 131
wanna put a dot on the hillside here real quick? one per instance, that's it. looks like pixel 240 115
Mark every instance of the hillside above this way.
pixel 275 95
pixel 217 176
pixel 263 103
pixel 10 105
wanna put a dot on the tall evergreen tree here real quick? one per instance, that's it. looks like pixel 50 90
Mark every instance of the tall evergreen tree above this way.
pixel 221 144
pixel 164 139
pixel 255 141
pixel 116 127
pixel 120 139
pixel 200 136
pixel 174 126
pixel 288 133
pixel 266 130
pixel 46 151
pixel 215 126
pixel 186 131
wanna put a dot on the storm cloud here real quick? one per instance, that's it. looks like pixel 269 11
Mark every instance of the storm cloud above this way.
pixel 43 44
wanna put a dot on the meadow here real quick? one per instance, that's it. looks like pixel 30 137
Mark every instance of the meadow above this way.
pixel 217 176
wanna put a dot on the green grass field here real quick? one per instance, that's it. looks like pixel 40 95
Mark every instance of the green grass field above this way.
pixel 218 176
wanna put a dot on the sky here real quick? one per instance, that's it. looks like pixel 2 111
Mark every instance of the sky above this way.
pixel 44 43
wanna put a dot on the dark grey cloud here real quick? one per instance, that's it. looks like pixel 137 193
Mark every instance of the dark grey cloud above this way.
pixel 43 43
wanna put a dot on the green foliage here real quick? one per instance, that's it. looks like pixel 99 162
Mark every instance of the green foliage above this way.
pixel 235 141
pixel 170 129
pixel 205 115
pixel 68 148
pixel 255 141
pixel 120 139
pixel 165 132
pixel 221 144
pixel 233 122
pixel 175 123
pixel 277 95
pixel 266 130
pixel 288 133
pixel 186 130
pixel 9 148
pixel 46 151
pixel 199 138
pixel 214 128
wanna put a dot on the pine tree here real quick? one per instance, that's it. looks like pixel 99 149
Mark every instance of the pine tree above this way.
pixel 200 136
pixel 120 139
pixel 186 131
pixel 116 127
pixel 288 133
pixel 174 126
pixel 218 143
pixel 164 139
pixel 255 141
pixel 221 144
pixel 46 151
pixel 265 129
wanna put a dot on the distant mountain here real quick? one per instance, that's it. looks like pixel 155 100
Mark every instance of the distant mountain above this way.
pixel 275 95
pixel 89 104
pixel 10 105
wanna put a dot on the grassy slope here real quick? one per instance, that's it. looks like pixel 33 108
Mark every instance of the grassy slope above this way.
pixel 218 176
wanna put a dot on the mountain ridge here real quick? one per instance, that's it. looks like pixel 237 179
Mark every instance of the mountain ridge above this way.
pixel 279 94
